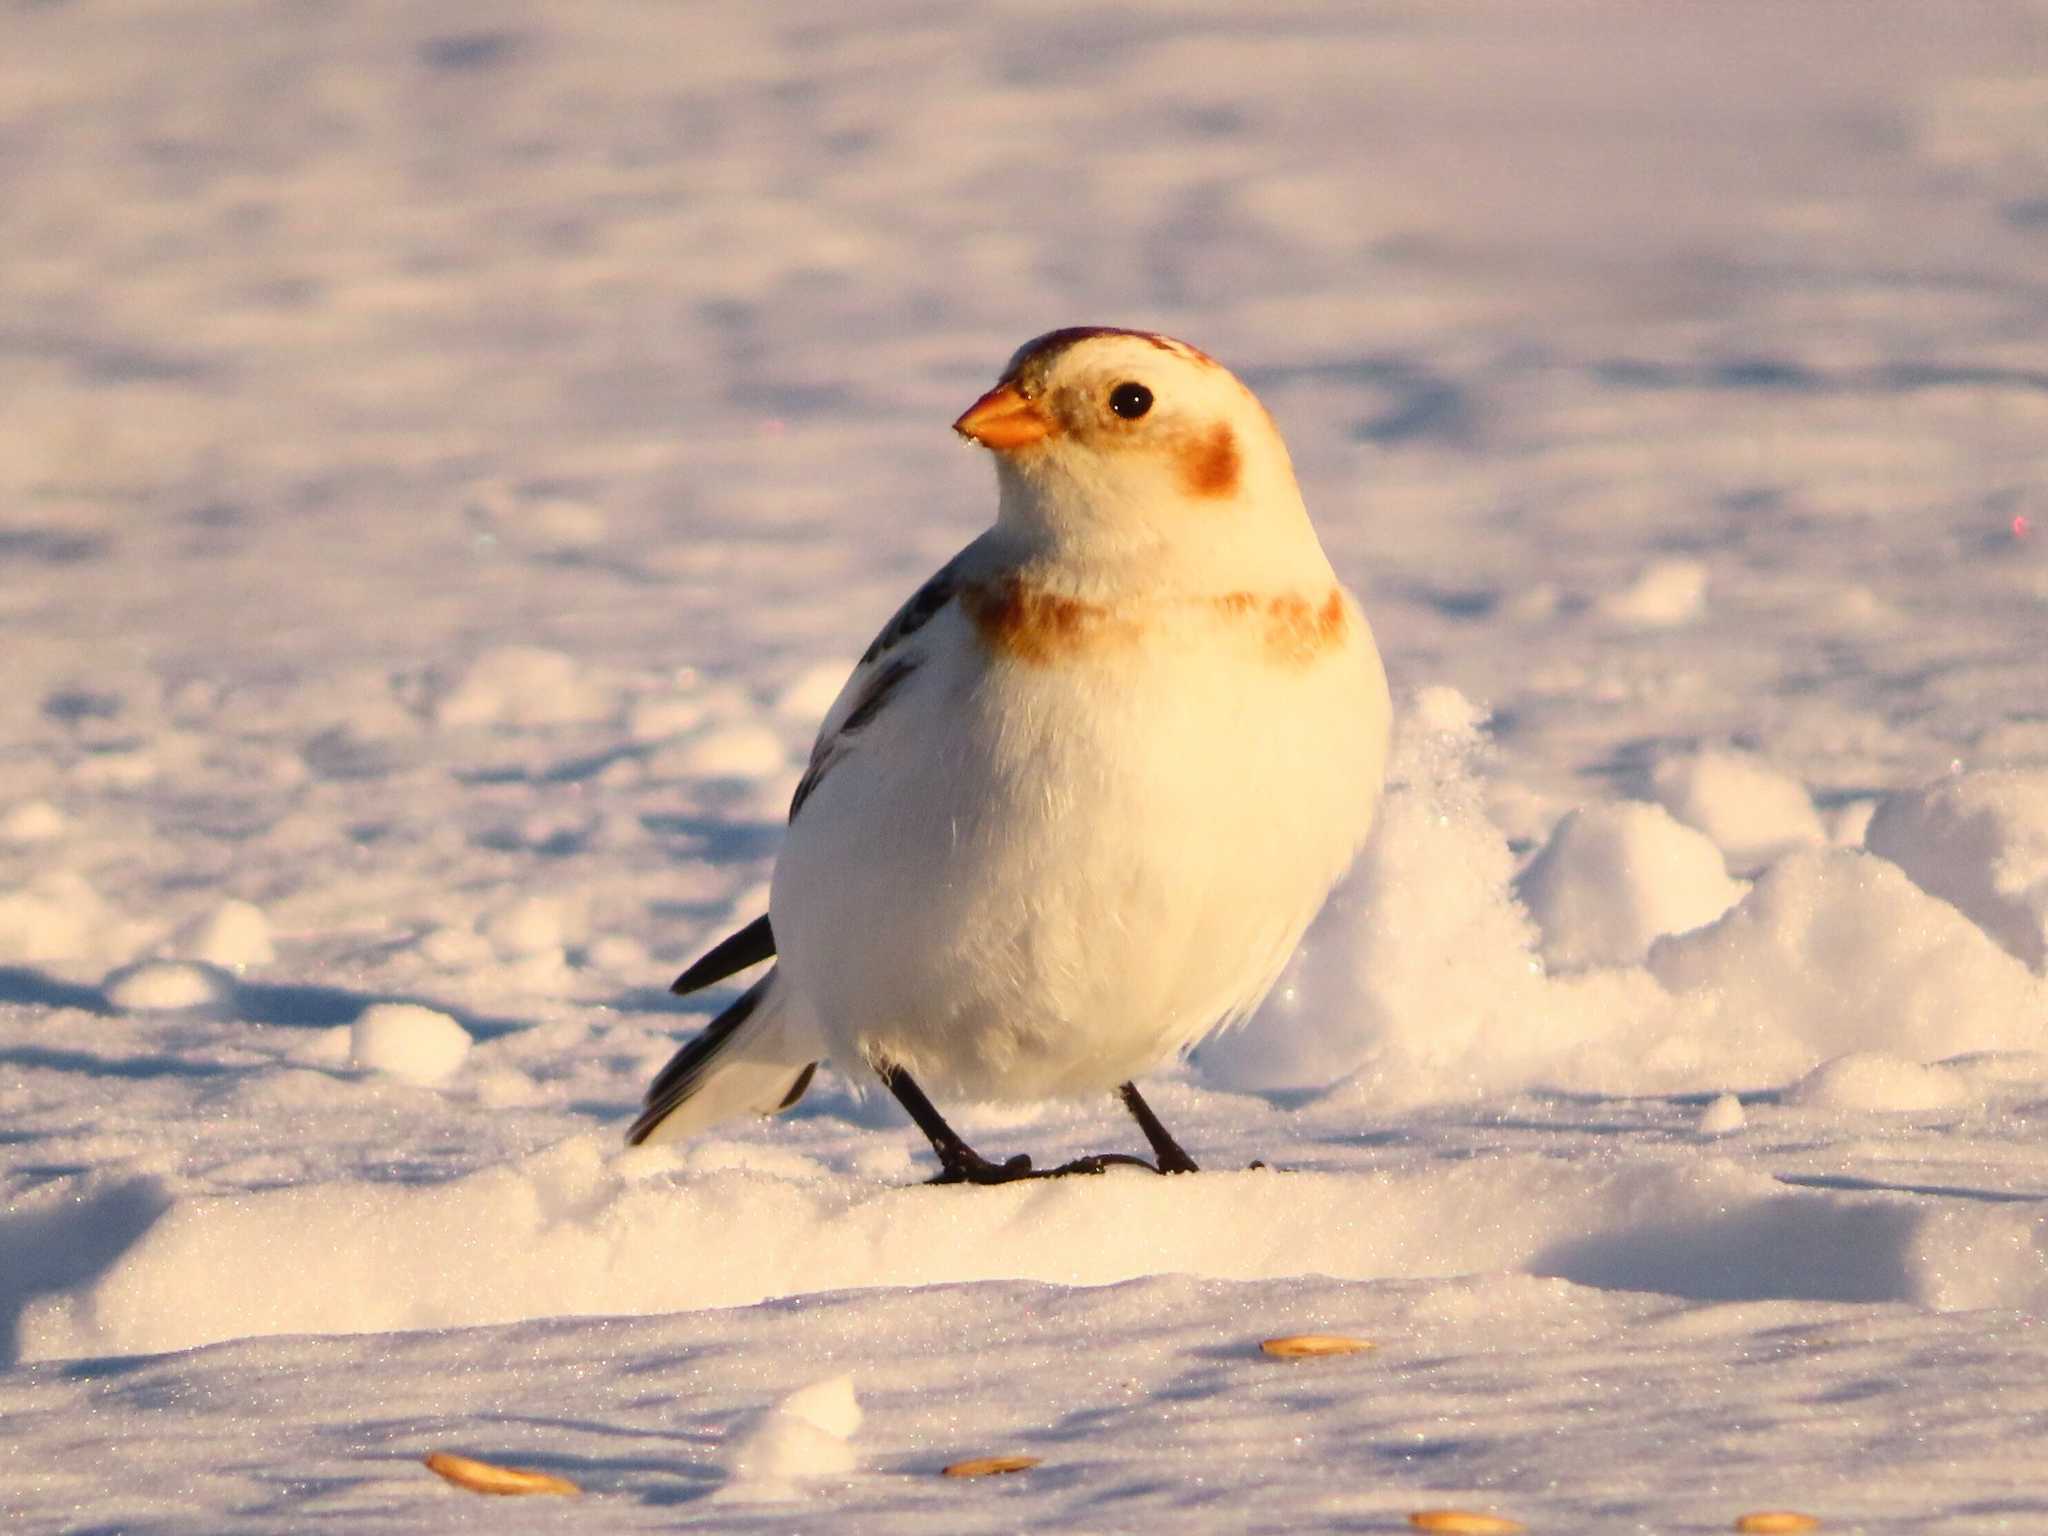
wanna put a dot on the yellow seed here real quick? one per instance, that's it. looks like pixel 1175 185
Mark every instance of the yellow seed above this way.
pixel 1304 1346
pixel 989 1466
pixel 488 1477
pixel 1765 1521
pixel 1463 1522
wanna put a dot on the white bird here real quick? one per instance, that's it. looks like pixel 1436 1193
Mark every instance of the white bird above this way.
pixel 1080 798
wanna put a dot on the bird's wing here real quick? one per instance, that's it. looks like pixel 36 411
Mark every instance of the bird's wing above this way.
pixel 883 668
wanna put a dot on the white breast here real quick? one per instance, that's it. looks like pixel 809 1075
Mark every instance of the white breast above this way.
pixel 1041 875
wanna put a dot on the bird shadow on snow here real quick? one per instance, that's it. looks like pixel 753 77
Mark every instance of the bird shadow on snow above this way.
pixel 64 1246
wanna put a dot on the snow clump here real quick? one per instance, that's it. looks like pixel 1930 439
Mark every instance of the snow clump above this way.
pixel 807 1434
pixel 406 1041
pixel 1979 841
pixel 1613 878
pixel 1751 810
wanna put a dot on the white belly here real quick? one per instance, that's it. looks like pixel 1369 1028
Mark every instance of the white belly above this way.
pixel 1043 880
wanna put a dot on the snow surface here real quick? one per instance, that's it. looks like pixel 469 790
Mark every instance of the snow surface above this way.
pixel 453 454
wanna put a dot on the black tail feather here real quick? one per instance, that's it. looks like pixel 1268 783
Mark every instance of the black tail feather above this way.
pixel 750 946
pixel 674 1082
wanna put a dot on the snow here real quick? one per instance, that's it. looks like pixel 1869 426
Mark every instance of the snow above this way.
pixel 454 454
pixel 1615 877
pixel 1980 842
pixel 168 985
pixel 407 1041
pixel 1750 810
pixel 805 1435
pixel 235 934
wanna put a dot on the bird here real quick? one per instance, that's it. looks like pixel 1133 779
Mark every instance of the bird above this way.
pixel 1078 801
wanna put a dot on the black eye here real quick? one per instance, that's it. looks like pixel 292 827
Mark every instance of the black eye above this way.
pixel 1130 401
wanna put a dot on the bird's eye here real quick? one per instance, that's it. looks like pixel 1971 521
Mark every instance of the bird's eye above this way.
pixel 1130 401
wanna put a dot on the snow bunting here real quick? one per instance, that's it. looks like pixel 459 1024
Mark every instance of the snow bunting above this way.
pixel 1078 801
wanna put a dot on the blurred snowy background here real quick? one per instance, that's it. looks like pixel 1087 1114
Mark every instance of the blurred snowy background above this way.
pixel 451 455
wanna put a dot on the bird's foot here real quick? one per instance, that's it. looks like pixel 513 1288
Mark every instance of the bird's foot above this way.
pixel 1102 1162
pixel 967 1166
pixel 970 1167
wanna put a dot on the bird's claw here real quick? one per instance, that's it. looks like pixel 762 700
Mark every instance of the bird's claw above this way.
pixel 972 1168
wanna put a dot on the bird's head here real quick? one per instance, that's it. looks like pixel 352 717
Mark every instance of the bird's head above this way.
pixel 1112 441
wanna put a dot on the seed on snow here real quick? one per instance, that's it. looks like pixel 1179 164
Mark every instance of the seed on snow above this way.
pixel 1304 1346
pixel 488 1477
pixel 989 1466
pixel 1463 1522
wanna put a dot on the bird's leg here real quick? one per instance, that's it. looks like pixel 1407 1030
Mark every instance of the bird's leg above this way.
pixel 1171 1158
pixel 958 1162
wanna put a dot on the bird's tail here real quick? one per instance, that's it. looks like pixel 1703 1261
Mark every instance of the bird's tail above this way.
pixel 756 1057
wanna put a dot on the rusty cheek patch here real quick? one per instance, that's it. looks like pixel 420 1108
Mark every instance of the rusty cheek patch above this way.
pixel 1031 624
pixel 1209 463
pixel 1294 630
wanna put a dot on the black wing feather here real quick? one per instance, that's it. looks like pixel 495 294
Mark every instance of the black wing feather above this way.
pixel 750 946
pixel 920 610
pixel 884 682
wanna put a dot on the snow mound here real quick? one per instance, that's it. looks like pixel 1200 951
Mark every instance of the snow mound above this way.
pixel 235 935
pixel 1873 1081
pixel 31 821
pixel 1835 951
pixel 1425 926
pixel 805 1435
pixel 735 750
pixel 523 685
pixel 807 697
pixel 1615 877
pixel 404 1040
pixel 1425 980
pixel 56 915
pixel 584 1229
pixel 1666 594
pixel 1723 1116
pixel 1752 811
pixel 1981 842
pixel 168 986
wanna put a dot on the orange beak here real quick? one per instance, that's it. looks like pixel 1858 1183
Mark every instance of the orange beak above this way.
pixel 1004 420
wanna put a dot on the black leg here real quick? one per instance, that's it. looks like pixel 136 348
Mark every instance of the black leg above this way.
pixel 958 1162
pixel 961 1164
pixel 1171 1158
